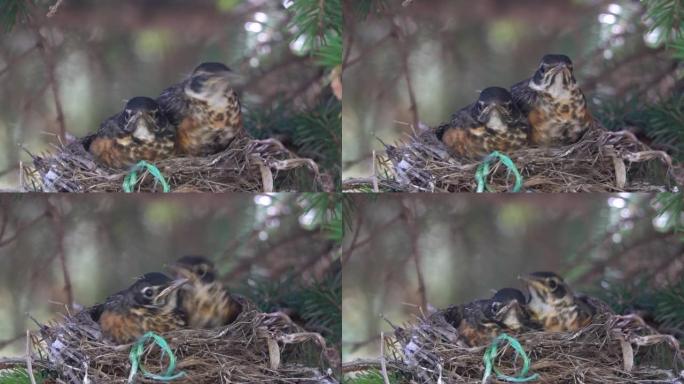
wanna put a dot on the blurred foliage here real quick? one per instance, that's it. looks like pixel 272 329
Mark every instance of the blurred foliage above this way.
pixel 315 305
pixel 670 206
pixel 317 20
pixel 373 377
pixel 11 12
pixel 20 376
pixel 669 307
pixel 363 8
pixel 316 133
pixel 330 54
pixel 330 211
pixel 661 121
pixel 668 17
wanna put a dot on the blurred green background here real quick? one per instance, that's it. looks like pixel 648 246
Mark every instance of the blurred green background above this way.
pixel 104 52
pixel 280 250
pixel 455 48
pixel 625 248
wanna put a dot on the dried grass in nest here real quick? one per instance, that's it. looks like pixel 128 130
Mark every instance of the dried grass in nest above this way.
pixel 602 161
pixel 257 348
pixel 245 166
pixel 614 349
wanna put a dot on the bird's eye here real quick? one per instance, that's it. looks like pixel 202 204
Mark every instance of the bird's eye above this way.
pixel 148 292
pixel 553 284
pixel 496 306
pixel 201 270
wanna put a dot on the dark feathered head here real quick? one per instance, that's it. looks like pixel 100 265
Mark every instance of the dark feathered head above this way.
pixel 495 107
pixel 143 118
pixel 195 268
pixel 554 76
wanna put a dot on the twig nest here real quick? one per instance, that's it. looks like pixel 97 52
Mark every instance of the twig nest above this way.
pixel 602 161
pixel 257 348
pixel 245 166
pixel 613 349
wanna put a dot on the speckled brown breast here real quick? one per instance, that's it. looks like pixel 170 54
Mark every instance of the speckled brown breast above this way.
pixel 559 122
pixel 477 142
pixel 207 130
pixel 563 319
pixel 209 306
pixel 126 327
pixel 477 334
pixel 124 151
pixel 120 328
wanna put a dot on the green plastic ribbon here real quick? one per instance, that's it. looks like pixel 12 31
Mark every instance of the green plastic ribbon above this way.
pixel 132 178
pixel 138 350
pixel 483 171
pixel 490 356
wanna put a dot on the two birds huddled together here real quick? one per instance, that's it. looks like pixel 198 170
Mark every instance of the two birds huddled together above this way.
pixel 197 117
pixel 548 109
pixel 552 306
pixel 155 302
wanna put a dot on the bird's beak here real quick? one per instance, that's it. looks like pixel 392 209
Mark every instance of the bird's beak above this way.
pixel 172 287
pixel 503 310
pixel 226 77
pixel 533 281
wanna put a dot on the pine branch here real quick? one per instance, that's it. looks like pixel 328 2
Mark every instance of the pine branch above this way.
pixel 13 12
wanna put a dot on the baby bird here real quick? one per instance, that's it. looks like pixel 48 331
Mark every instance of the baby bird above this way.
pixel 206 301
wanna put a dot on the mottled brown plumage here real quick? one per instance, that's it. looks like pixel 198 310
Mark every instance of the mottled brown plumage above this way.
pixel 479 321
pixel 492 123
pixel 553 103
pixel 140 132
pixel 204 109
pixel 554 305
pixel 206 301
pixel 150 304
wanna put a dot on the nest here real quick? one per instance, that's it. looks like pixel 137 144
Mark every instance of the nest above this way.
pixel 257 347
pixel 613 349
pixel 602 161
pixel 245 166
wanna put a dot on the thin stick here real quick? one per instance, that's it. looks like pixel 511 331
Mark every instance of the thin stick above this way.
pixel 383 364
pixel 46 54
pixel 399 35
pixel 375 176
pixel 53 9
pixel 29 366
pixel 59 231
pixel 413 237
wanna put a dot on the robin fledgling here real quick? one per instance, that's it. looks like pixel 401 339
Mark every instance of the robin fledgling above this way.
pixel 140 132
pixel 491 123
pixel 517 317
pixel 150 304
pixel 554 305
pixel 206 301
pixel 553 103
pixel 205 110
pixel 479 321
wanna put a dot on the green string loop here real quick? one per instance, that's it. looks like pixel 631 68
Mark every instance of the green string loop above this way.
pixel 132 178
pixel 490 356
pixel 483 171
pixel 137 351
